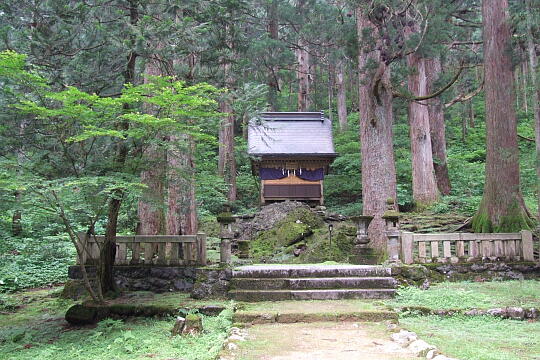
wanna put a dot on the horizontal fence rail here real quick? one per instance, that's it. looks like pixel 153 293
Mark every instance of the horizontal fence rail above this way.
pixel 148 249
pixel 456 247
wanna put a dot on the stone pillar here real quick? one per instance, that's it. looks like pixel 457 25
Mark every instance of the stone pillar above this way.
pixel 365 255
pixel 391 219
pixel 225 220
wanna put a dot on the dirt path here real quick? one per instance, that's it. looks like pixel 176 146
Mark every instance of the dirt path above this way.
pixel 320 341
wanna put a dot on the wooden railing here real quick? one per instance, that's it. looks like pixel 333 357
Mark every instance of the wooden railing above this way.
pixel 149 249
pixel 456 247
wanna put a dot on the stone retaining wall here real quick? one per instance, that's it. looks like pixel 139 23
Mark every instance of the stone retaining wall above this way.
pixel 204 282
pixel 423 275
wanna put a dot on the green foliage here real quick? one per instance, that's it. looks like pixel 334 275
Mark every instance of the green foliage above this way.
pixel 26 262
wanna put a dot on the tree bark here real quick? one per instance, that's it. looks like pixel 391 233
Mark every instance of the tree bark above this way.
pixel 424 185
pixel 376 135
pixel 181 200
pixel 341 97
pixel 227 160
pixel 533 64
pixel 303 75
pixel 437 128
pixel 181 216
pixel 502 208
pixel 273 33
pixel 151 209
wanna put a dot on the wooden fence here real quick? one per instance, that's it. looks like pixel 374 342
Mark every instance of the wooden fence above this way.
pixel 149 249
pixel 456 247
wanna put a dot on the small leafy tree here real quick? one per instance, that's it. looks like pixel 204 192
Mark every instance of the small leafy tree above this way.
pixel 70 166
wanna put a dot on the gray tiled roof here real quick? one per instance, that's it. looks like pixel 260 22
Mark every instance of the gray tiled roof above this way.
pixel 291 133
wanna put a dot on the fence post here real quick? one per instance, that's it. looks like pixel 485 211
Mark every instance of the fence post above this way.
pixel 407 247
pixel 201 249
pixel 527 245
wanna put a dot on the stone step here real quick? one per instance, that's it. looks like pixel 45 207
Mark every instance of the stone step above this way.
pixel 313 283
pixel 319 294
pixel 309 271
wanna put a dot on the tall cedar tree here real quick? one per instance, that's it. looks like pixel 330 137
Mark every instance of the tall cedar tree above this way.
pixel 502 208
pixel 376 120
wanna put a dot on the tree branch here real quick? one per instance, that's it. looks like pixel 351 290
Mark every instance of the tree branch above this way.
pixel 463 97
pixel 525 138
pixel 435 94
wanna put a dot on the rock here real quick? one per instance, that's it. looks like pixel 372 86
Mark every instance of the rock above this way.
pixel 404 337
pixel 74 289
pixel 515 313
pixel 193 325
pixel 231 346
pixel 500 312
pixel 178 326
pixel 475 312
pixel 85 315
pixel 532 313
pixel 211 310
pixel 236 338
pixel 420 348
pixel 431 354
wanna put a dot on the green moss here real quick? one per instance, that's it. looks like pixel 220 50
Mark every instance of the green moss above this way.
pixel 296 226
pixel 514 220
pixel 192 317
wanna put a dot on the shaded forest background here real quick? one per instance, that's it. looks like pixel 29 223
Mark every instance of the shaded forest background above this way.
pixel 269 55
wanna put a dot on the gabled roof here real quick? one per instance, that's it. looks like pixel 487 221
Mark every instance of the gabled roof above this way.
pixel 291 133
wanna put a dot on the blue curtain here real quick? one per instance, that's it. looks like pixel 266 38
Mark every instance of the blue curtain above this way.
pixel 274 174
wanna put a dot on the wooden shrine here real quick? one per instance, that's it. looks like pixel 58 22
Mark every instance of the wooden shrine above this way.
pixel 291 153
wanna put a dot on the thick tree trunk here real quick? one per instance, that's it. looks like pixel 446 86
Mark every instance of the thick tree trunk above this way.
pixel 437 128
pixel 273 33
pixel 227 161
pixel 182 206
pixel 303 75
pixel 376 135
pixel 151 210
pixel 502 208
pixel 423 174
pixel 341 97
pixel 533 64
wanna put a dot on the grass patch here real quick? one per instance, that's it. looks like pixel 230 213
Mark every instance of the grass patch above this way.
pixel 469 295
pixel 311 306
pixel 478 337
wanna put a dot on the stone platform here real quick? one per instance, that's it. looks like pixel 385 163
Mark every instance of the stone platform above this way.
pixel 311 282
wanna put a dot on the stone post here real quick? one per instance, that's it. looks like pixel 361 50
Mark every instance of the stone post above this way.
pixel 225 220
pixel 391 219
pixel 364 253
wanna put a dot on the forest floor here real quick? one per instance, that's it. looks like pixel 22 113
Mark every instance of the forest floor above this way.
pixel 32 326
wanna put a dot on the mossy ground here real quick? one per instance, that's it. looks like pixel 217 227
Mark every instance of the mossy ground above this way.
pixel 37 330
pixel 478 337
pixel 471 295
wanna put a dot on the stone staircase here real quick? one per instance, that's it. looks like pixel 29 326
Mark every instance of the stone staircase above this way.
pixel 311 282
